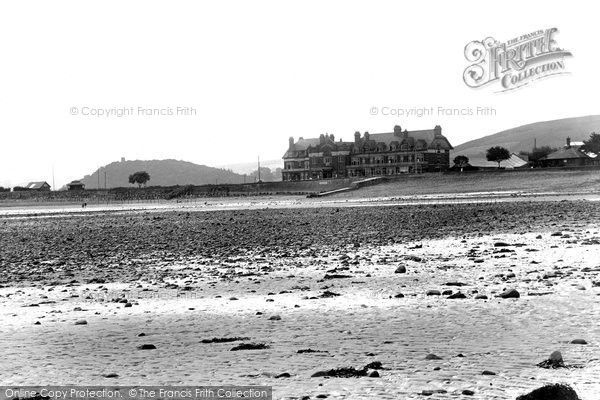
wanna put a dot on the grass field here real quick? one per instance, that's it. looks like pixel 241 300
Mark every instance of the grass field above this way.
pixel 528 181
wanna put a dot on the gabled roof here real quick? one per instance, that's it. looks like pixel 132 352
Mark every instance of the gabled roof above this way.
pixel 316 145
pixel 426 136
pixel 36 185
pixel 303 144
pixel 567 152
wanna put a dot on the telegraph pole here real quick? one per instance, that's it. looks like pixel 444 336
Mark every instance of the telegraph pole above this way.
pixel 259 168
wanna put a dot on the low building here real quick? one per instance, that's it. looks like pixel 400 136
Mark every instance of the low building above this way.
pixel 75 185
pixel 515 161
pixel 369 155
pixel 40 186
pixel 570 155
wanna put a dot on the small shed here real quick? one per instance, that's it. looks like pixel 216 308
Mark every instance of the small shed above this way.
pixel 75 185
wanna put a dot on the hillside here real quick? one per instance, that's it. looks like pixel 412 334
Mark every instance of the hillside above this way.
pixel 547 133
pixel 162 173
pixel 249 167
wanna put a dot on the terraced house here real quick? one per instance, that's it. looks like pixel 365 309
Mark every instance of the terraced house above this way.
pixel 369 155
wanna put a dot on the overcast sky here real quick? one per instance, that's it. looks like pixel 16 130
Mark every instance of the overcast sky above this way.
pixel 257 72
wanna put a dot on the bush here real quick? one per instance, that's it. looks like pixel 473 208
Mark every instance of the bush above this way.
pixel 180 191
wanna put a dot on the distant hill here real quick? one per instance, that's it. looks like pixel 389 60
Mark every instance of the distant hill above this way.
pixel 162 173
pixel 249 167
pixel 547 133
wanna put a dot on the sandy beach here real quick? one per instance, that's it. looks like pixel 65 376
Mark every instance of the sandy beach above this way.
pixel 319 287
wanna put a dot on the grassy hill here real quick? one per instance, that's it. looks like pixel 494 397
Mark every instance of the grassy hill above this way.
pixel 547 133
pixel 162 173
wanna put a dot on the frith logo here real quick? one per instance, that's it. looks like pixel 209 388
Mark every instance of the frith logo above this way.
pixel 516 62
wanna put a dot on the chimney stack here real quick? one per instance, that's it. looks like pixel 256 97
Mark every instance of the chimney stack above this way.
pixel 568 142
pixel 397 130
pixel 291 142
pixel 356 137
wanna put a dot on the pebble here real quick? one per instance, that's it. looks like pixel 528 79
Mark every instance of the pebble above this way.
pixel 553 392
pixel 510 294
pixel 556 356
pixel 249 346
pixel 146 347
pixel 578 341
pixel 81 322
pixel 433 292
pixel 554 361
pixel 400 270
pixel 432 356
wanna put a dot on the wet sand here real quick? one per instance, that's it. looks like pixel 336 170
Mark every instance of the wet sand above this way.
pixel 329 273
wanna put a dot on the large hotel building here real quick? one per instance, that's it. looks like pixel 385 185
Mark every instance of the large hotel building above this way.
pixel 378 154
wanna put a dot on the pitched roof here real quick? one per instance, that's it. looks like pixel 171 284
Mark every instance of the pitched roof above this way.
pixel 36 185
pixel 303 144
pixel 567 152
pixel 426 135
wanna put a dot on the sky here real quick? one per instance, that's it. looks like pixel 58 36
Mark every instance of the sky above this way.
pixel 235 79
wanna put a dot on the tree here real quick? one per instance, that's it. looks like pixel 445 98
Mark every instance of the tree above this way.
pixel 266 175
pixel 497 154
pixel 140 177
pixel 461 162
pixel 592 145
pixel 541 152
